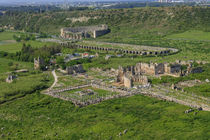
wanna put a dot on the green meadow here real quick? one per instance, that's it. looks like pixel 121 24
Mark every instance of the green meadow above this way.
pixel 5 65
pixel 191 35
pixel 39 116
pixel 26 83
pixel 8 44
pixel 7 35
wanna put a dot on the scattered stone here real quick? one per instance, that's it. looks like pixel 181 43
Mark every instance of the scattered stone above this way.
pixel 10 78
pixel 120 134
pixel 207 80
pixel 173 87
pixel 125 131
pixel 200 108
pixel 188 111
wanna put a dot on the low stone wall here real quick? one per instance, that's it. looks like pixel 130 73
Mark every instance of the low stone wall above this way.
pixel 122 93
pixel 66 89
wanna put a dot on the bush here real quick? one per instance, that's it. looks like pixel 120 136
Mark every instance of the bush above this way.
pixel 10 64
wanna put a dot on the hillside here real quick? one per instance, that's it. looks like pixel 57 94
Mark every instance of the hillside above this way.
pixel 163 20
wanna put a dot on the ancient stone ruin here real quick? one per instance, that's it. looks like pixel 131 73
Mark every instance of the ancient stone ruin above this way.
pixel 156 69
pixel 137 73
pixel 118 50
pixel 84 32
pixel 86 92
pixel 10 78
pixel 129 75
pixel 75 69
pixel 38 63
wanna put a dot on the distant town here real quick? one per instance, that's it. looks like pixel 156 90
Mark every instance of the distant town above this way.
pixel 100 4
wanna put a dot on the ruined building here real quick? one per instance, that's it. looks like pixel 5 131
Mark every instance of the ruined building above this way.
pixel 75 69
pixel 128 75
pixel 38 63
pixel 84 32
pixel 10 78
pixel 158 68
pixel 137 73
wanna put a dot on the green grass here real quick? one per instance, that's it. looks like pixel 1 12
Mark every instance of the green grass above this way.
pixel 201 90
pixel 14 47
pixel 24 84
pixel 7 43
pixel 7 35
pixel 191 35
pixel 143 117
pixel 66 81
pixel 4 65
pixel 97 93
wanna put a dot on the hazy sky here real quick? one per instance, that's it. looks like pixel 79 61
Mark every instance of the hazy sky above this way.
pixel 41 1
pixel 52 0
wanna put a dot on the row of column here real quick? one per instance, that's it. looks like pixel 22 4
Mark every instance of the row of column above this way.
pixel 117 50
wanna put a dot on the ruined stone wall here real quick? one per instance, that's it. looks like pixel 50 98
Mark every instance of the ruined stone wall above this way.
pixel 176 68
pixel 147 68
pixel 128 82
pixel 84 32
pixel 196 70
pixel 129 75
pixel 159 69
pixel 120 75
pixel 142 79
pixel 167 68
pixel 75 69
pixel 98 33
pixel 38 63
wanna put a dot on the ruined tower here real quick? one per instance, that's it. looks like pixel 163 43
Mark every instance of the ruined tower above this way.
pixel 38 63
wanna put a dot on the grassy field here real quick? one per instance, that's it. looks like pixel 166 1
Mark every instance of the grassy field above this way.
pixel 8 44
pixel 7 35
pixel 97 93
pixel 24 84
pixel 143 117
pixel 5 67
pixel 191 35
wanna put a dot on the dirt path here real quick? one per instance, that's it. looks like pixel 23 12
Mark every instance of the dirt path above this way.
pixel 55 80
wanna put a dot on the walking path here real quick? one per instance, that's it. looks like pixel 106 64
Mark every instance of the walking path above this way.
pixel 55 80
